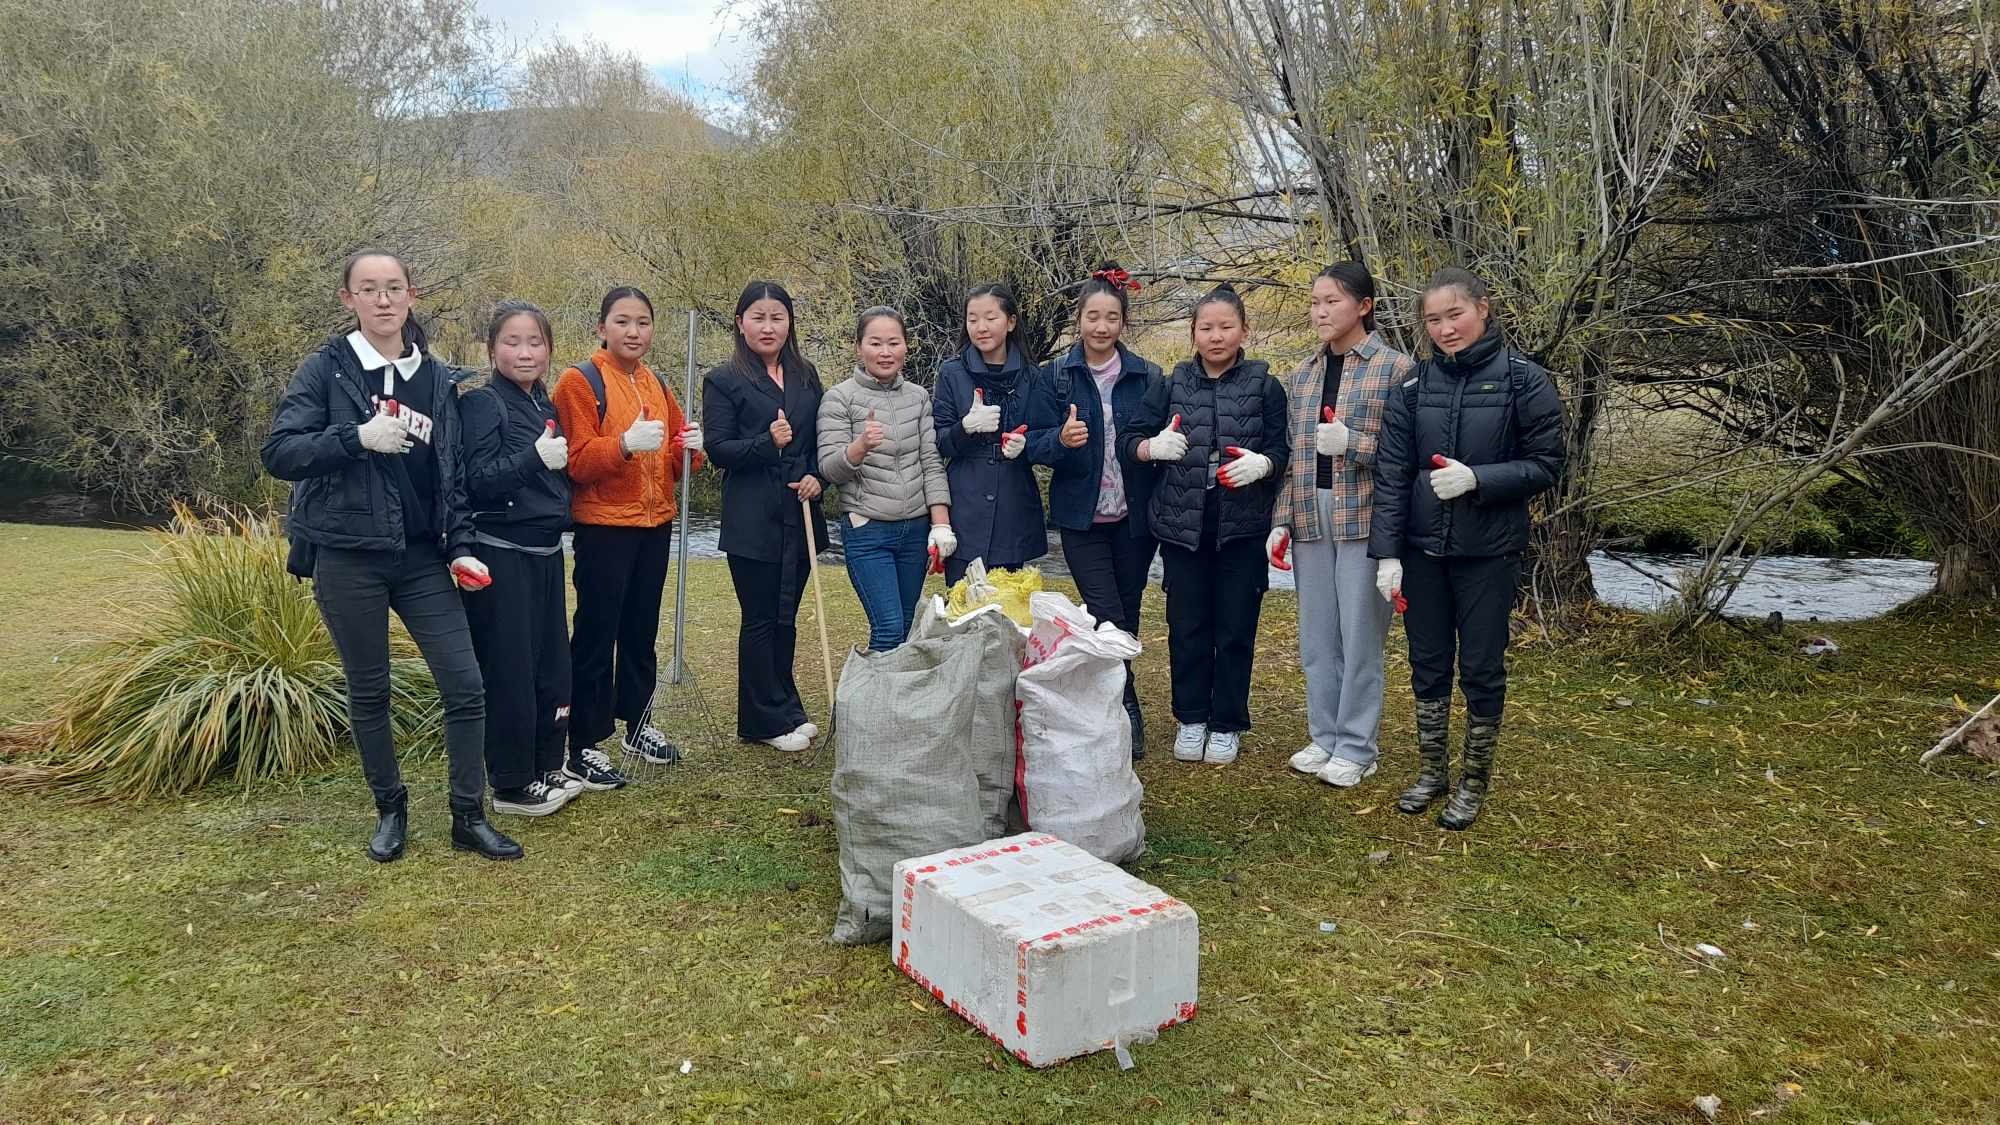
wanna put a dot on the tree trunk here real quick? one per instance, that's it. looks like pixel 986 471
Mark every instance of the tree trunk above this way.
pixel 1964 571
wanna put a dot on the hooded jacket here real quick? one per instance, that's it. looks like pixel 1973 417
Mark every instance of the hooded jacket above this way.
pixel 1492 409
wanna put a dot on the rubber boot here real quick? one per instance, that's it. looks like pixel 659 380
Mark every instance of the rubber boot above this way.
pixel 1434 750
pixel 471 833
pixel 1481 735
pixel 391 830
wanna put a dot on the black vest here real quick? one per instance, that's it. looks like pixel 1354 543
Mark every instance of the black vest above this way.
pixel 1215 414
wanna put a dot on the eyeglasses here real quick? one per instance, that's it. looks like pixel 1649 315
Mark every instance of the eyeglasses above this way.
pixel 369 292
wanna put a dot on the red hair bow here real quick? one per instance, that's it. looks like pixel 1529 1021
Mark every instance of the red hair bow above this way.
pixel 1118 279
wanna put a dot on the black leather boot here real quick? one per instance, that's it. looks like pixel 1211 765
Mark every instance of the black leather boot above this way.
pixel 1481 736
pixel 1434 749
pixel 391 829
pixel 1138 731
pixel 471 833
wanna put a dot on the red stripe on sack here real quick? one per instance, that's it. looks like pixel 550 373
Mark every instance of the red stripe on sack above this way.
pixel 1020 766
pixel 1021 1023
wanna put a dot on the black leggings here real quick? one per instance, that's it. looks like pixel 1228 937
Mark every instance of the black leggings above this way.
pixel 1110 566
pixel 355 591
pixel 1459 608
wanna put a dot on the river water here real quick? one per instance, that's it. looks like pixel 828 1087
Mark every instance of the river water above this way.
pixel 1800 587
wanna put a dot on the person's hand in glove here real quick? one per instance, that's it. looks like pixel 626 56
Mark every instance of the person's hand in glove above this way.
pixel 553 450
pixel 1330 436
pixel 1389 581
pixel 470 573
pixel 1247 469
pixel 386 432
pixel 691 439
pixel 1451 479
pixel 1277 544
pixel 943 543
pixel 1013 442
pixel 1169 444
pixel 1074 434
pixel 645 435
pixel 981 419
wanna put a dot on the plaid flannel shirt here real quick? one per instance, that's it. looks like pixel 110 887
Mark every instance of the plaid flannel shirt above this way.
pixel 1368 374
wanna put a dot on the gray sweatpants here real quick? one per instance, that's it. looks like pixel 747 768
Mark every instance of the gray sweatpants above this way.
pixel 1343 625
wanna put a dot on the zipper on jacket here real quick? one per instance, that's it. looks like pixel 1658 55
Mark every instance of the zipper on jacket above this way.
pixel 1445 506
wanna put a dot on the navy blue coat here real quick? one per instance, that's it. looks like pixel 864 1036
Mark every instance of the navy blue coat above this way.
pixel 1078 478
pixel 996 509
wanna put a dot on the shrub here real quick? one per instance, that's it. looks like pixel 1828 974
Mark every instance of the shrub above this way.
pixel 233 672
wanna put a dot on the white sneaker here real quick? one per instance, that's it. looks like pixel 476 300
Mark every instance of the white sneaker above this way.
pixel 560 779
pixel 1190 741
pixel 1222 746
pixel 1310 759
pixel 809 730
pixel 1341 773
pixel 790 743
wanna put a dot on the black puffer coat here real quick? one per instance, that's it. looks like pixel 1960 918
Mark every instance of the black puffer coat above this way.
pixel 1492 409
pixel 342 495
pixel 1244 407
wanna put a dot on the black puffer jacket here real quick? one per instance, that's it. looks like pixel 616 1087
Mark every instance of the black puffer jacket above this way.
pixel 342 495
pixel 1490 408
pixel 515 497
pixel 1245 407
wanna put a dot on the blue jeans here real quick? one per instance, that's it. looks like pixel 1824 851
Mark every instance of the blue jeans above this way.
pixel 886 561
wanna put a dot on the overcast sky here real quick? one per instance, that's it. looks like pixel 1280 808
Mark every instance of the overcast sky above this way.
pixel 690 44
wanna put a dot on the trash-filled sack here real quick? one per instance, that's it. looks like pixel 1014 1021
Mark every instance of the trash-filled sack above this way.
pixel 903 777
pixel 1073 776
pixel 990 739
pixel 1009 589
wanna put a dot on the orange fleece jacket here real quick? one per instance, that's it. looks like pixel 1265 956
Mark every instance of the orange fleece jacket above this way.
pixel 613 489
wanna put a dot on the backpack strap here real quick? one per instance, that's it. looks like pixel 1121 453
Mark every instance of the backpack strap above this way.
pixel 595 378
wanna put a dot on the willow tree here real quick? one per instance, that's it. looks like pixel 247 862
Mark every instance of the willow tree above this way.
pixel 1523 141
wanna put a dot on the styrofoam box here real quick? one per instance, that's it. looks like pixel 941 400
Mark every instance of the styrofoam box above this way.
pixel 1050 951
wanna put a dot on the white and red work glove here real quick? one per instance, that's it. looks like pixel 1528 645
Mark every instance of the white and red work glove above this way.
pixel 1013 442
pixel 691 438
pixel 1074 434
pixel 386 432
pixel 1330 436
pixel 1169 444
pixel 470 574
pixel 553 450
pixel 1247 469
pixel 645 436
pixel 1389 583
pixel 943 543
pixel 1451 479
pixel 1277 545
pixel 981 419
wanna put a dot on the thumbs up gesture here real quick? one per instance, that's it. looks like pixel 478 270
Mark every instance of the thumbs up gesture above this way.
pixel 869 438
pixel 1074 433
pixel 1169 444
pixel 645 435
pixel 1013 442
pixel 553 450
pixel 1330 436
pixel 781 430
pixel 981 419
pixel 1451 479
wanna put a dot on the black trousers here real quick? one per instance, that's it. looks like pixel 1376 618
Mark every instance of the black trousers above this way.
pixel 620 573
pixel 1459 608
pixel 767 593
pixel 1214 596
pixel 355 591
pixel 1110 567
pixel 522 638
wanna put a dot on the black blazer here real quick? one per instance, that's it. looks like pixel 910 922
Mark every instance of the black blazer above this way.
pixel 737 409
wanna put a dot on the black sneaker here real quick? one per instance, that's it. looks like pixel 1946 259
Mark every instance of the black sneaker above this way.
pixel 560 779
pixel 648 743
pixel 536 798
pixel 592 767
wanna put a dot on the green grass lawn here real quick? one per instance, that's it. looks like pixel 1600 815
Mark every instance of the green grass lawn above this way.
pixel 235 958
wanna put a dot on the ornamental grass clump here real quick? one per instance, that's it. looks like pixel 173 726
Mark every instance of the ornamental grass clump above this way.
pixel 230 671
